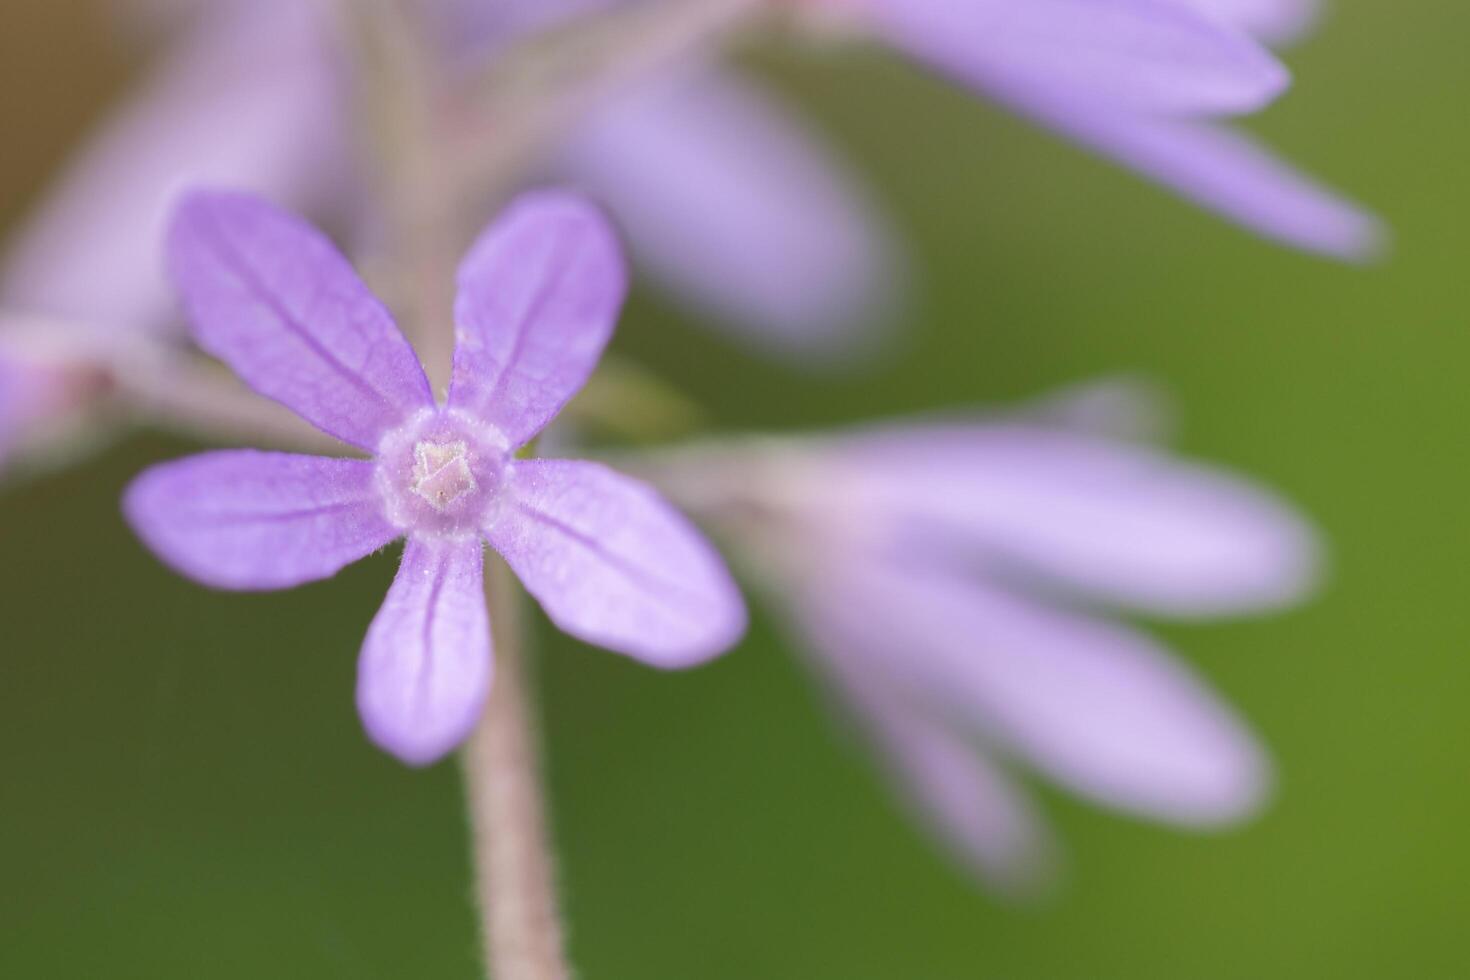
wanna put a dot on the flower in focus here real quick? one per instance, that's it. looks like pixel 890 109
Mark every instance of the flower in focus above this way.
pixel 949 581
pixel 539 292
pixel 1144 82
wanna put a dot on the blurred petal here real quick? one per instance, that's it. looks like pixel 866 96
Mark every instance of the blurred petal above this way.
pixel 959 795
pixel 1146 55
pixel 1122 408
pixel 1097 707
pixel 425 667
pixel 273 298
pixel 539 295
pixel 731 206
pixel 613 564
pixel 472 30
pixel 245 519
pixel 248 101
pixel 1220 169
pixel 1117 522
pixel 18 400
pixel 1273 21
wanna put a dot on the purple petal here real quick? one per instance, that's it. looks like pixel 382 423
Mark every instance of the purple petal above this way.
pixel 1273 21
pixel 18 398
pixel 425 667
pixel 964 799
pixel 270 295
pixel 539 295
pixel 732 206
pixel 613 564
pixel 1097 707
pixel 1117 522
pixel 247 101
pixel 469 31
pixel 1220 169
pixel 245 519
pixel 1156 56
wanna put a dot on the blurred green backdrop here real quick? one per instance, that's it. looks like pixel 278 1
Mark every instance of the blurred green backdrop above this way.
pixel 186 792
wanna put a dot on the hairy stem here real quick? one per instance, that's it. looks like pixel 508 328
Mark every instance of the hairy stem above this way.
pixel 513 866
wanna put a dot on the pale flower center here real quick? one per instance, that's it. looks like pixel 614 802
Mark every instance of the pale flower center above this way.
pixel 441 473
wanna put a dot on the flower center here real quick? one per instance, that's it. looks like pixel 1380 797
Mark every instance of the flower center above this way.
pixel 440 474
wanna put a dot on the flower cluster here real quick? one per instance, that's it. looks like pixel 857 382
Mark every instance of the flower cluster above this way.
pixel 947 577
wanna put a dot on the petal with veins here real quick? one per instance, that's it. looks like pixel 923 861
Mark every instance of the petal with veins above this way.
pixel 273 298
pixel 244 519
pixel 539 294
pixel 615 565
pixel 425 668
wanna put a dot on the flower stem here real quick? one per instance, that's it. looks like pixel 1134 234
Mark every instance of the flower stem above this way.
pixel 521 928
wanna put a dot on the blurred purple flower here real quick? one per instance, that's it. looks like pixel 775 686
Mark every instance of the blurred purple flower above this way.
pixel 1141 81
pixel 245 99
pixel 951 594
pixel 726 201
pixel 539 293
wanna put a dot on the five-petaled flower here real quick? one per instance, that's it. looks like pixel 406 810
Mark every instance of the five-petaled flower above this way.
pixel 608 560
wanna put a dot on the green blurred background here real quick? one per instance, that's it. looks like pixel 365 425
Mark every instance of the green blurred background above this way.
pixel 184 790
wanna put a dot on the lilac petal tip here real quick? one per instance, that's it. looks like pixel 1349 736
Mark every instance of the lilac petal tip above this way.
pixel 1097 707
pixel 1123 524
pixel 1150 56
pixel 425 668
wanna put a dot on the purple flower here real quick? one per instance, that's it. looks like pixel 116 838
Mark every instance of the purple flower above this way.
pixel 608 560
pixel 952 592
pixel 1142 81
